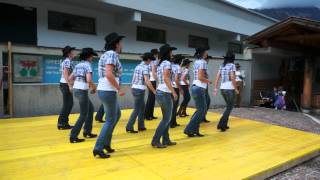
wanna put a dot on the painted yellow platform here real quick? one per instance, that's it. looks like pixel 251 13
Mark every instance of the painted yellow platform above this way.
pixel 32 148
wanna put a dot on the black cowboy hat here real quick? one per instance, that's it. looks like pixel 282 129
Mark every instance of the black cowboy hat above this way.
pixel 229 55
pixel 166 48
pixel 113 38
pixel 87 52
pixel 186 61
pixel 177 59
pixel 200 50
pixel 154 51
pixel 66 50
pixel 148 55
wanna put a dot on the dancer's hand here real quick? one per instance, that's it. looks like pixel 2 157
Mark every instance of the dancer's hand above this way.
pixel 121 93
pixel 93 91
pixel 70 88
pixel 215 91
pixel 237 91
pixel 181 92
pixel 175 96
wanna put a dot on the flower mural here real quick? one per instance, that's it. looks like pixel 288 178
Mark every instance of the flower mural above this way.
pixel 27 68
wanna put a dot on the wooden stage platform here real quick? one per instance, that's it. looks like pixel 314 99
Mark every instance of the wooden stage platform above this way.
pixel 33 148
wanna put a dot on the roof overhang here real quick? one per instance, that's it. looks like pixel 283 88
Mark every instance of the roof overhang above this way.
pixel 294 33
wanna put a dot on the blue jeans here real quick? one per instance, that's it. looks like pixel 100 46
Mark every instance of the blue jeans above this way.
pixel 173 121
pixel 165 101
pixel 138 95
pixel 186 95
pixel 149 110
pixel 67 104
pixel 200 99
pixel 111 108
pixel 86 113
pixel 100 113
pixel 229 97
pixel 208 101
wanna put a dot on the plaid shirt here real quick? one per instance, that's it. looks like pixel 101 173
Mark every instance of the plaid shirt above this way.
pixel 160 70
pixel 139 72
pixel 225 72
pixel 109 57
pixel 66 64
pixel 152 63
pixel 176 70
pixel 80 71
pixel 185 73
pixel 199 64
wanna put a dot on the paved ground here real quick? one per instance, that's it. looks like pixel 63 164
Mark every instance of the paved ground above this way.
pixel 306 171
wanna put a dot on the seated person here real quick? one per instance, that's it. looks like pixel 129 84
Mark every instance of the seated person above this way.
pixel 274 95
pixel 280 103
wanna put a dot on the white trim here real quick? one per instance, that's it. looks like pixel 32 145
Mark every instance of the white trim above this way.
pixel 250 11
pixel 313 118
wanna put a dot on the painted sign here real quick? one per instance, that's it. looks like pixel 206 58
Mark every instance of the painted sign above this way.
pixel 27 68
pixel 52 74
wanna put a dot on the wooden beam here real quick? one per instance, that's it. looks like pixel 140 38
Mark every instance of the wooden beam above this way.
pixel 311 50
pixel 307 85
pixel 306 38
pixel 10 77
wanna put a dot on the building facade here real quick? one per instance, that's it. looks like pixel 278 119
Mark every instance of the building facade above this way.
pixel 39 29
pixel 286 55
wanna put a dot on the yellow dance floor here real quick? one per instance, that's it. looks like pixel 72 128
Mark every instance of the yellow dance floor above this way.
pixel 33 148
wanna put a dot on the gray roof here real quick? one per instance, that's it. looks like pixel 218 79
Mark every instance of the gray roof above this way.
pixel 248 10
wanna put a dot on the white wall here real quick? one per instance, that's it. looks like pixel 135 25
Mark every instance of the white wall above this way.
pixel 211 13
pixel 105 23
pixel 47 99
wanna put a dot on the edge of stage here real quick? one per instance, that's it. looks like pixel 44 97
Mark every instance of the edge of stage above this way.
pixel 34 148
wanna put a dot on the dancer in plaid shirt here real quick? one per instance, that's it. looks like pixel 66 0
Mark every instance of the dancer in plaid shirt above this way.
pixel 139 82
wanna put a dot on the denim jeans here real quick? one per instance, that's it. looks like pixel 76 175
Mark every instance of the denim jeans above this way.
pixel 111 108
pixel 138 95
pixel 229 97
pixel 186 96
pixel 66 105
pixel 208 101
pixel 238 96
pixel 149 109
pixel 86 113
pixel 164 99
pixel 174 108
pixel 100 113
pixel 200 99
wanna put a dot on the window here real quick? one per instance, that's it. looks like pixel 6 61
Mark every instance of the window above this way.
pixel 151 35
pixel 18 24
pixel 71 23
pixel 235 47
pixel 196 41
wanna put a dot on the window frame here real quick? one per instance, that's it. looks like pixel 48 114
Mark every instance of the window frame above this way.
pixel 143 39
pixel 234 44
pixel 92 19
pixel 190 45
